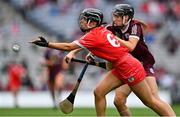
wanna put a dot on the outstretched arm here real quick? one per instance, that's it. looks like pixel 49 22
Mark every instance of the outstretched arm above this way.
pixel 55 45
pixel 63 46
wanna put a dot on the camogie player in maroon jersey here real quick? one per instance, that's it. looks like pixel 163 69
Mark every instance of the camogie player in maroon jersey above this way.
pixel 103 44
pixel 55 66
pixel 131 31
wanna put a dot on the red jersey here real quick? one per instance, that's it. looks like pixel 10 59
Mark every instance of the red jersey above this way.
pixel 103 44
pixel 15 72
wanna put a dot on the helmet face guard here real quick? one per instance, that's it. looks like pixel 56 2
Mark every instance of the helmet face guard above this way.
pixel 91 14
pixel 118 13
pixel 123 10
pixel 81 17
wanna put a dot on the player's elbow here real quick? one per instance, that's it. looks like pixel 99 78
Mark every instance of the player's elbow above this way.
pixel 70 46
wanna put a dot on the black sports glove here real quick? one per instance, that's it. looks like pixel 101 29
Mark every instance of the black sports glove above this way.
pixel 42 42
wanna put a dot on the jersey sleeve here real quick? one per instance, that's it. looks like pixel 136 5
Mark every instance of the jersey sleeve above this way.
pixel 136 31
pixel 87 41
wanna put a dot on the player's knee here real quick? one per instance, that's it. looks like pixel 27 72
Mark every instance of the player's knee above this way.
pixel 120 100
pixel 98 93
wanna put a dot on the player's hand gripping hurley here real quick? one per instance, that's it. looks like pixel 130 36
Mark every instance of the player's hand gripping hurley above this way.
pixel 67 105
pixel 104 65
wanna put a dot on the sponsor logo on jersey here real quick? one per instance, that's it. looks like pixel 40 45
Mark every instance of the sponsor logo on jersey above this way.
pixel 134 30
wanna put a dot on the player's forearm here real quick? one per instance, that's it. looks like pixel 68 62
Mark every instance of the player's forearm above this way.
pixel 127 44
pixel 71 55
pixel 76 51
pixel 60 46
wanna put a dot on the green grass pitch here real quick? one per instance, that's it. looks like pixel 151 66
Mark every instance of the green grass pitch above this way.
pixel 76 112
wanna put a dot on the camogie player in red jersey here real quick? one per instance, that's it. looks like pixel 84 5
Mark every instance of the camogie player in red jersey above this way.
pixel 126 69
pixel 131 31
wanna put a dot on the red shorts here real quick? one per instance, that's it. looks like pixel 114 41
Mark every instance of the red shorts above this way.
pixel 130 71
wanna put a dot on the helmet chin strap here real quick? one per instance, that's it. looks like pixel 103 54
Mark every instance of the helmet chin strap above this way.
pixel 123 18
pixel 88 24
pixel 125 23
pixel 89 28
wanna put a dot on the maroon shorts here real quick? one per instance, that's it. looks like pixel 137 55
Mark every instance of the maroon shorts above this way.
pixel 149 70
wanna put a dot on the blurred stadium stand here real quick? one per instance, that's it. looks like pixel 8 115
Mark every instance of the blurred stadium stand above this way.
pixel 22 20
